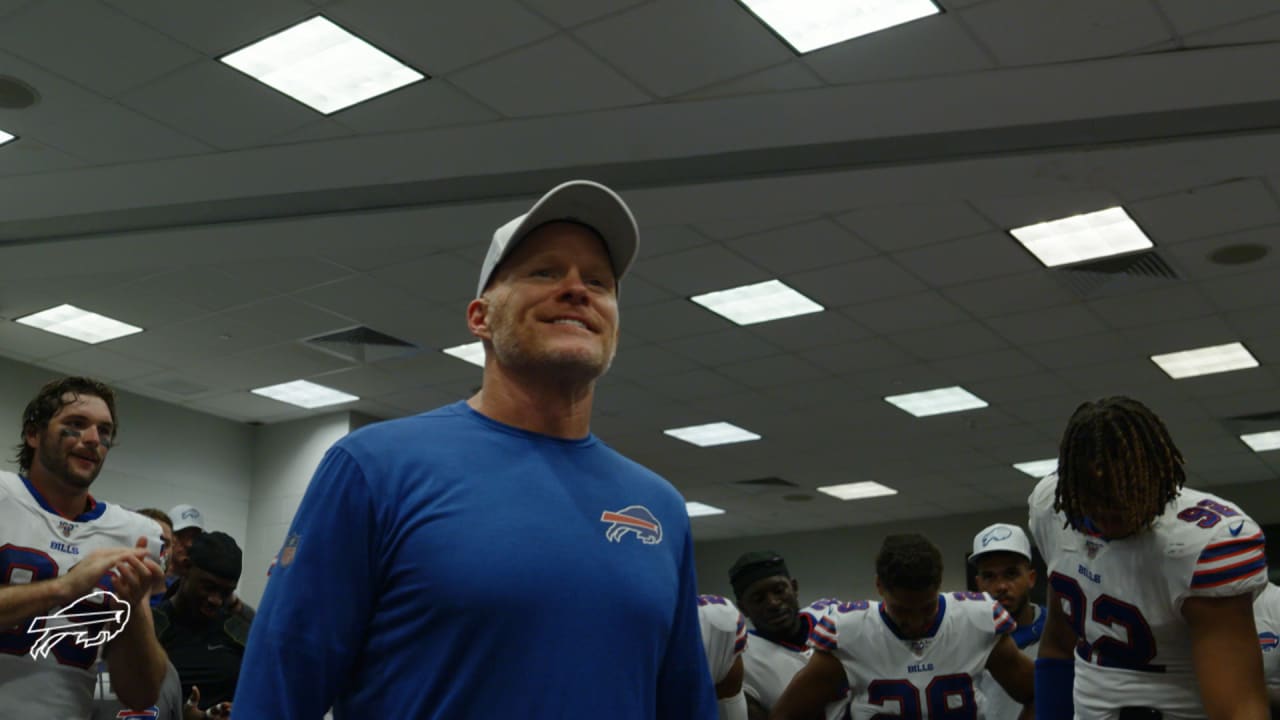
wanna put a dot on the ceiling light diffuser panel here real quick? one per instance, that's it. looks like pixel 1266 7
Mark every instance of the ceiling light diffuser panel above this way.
pixel 321 65
pixel 857 490
pixel 761 302
pixel 1078 238
pixel 471 352
pixel 697 509
pixel 1263 441
pixel 807 25
pixel 1038 468
pixel 5 137
pixel 77 324
pixel 711 434
pixel 305 394
pixel 1206 360
pixel 937 402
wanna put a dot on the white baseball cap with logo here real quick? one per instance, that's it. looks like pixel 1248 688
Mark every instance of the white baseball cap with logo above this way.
pixel 579 201
pixel 1001 537
pixel 186 516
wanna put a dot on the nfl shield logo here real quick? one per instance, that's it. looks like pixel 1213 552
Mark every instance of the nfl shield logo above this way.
pixel 66 527
pixel 290 549
pixel 1092 548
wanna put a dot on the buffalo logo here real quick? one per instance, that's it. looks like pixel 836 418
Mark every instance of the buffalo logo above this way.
pixel 632 519
pixel 191 514
pixel 90 628
pixel 66 527
pixel 1268 641
pixel 996 535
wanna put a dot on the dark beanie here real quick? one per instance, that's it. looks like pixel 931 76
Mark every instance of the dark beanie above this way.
pixel 753 566
pixel 217 553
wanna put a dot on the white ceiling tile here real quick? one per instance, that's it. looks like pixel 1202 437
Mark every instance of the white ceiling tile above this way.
pixel 672 319
pixel 907 226
pixel 245 406
pixel 1165 337
pixel 28 156
pixel 567 13
pixel 99 362
pixel 967 259
pixel 936 45
pixel 363 381
pixel 663 239
pixel 107 132
pixel 196 341
pixel 284 274
pixel 265 366
pixel 1256 381
pixel 856 282
pixel 702 43
pixel 216 28
pixel 93 45
pixel 987 365
pixel 220 106
pixel 775 370
pixel 1000 296
pixel 900 379
pixel 721 348
pixel 1138 378
pixel 1206 211
pixel 1083 350
pixel 1252 288
pixel 1189 16
pixel 1049 324
pixel 693 384
pixel 1022 33
pixel 440 277
pixel 793 75
pixel 319 130
pixel 643 361
pixel 147 309
pixel 201 286
pixel 1172 303
pixel 815 244
pixel 29 342
pixel 949 341
pixel 701 270
pixel 1255 30
pixel 907 312
pixel 435 103
pixel 637 293
pixel 531 81
pixel 747 221
pixel 1194 259
pixel 287 318
pixel 438 38
pixel 810 331
pixel 1027 208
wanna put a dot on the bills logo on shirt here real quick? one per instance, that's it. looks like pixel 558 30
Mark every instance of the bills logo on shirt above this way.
pixel 632 519
pixel 1268 641
pixel 66 528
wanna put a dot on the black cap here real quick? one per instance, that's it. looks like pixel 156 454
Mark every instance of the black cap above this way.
pixel 756 565
pixel 216 553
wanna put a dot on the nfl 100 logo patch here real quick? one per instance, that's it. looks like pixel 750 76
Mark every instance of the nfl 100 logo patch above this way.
pixel 66 528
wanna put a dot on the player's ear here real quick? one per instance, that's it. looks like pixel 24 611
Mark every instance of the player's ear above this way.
pixel 478 318
pixel 879 586
pixel 795 586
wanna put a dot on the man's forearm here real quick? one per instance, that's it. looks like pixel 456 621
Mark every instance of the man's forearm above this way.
pixel 19 603
pixel 136 661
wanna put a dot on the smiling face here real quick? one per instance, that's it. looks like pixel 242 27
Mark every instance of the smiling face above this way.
pixel 553 305
pixel 773 606
pixel 70 450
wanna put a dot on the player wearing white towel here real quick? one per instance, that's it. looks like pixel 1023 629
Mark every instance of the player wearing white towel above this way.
pixel 1266 615
pixel 915 654
pixel 1151 585
pixel 724 637
pixel 57 545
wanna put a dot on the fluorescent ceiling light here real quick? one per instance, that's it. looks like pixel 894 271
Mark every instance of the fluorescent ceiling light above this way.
pixel 937 402
pixel 1205 361
pixel 321 65
pixel 471 352
pixel 304 394
pixel 1038 468
pixel 70 321
pixel 1263 441
pixel 717 433
pixel 5 137
pixel 807 25
pixel 1083 237
pixel 761 302
pixel 857 490
pixel 697 509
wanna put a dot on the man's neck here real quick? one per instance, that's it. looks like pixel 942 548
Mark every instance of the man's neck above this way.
pixel 548 407
pixel 798 637
pixel 1026 615
pixel 65 500
pixel 187 615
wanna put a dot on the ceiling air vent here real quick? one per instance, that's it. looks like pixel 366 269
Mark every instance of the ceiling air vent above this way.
pixel 756 486
pixel 1088 278
pixel 361 344
pixel 1256 422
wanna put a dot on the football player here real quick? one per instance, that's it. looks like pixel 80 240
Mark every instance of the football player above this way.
pixel 724 637
pixel 1151 585
pixel 916 653
pixel 1001 560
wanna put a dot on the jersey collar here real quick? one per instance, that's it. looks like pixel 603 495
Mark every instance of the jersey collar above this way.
pixel 93 508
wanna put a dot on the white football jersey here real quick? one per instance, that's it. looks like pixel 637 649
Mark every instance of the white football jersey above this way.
pixel 1266 615
pixel 38 544
pixel 1124 597
pixel 724 633
pixel 929 677
pixel 769 666
pixel 997 705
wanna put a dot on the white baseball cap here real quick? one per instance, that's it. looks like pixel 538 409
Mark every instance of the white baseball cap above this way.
pixel 581 201
pixel 1001 537
pixel 186 516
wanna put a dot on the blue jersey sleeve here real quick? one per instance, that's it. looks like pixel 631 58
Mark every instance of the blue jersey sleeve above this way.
pixel 309 628
pixel 684 681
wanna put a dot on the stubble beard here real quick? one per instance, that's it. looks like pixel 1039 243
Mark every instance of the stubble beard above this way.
pixel 516 352
pixel 59 466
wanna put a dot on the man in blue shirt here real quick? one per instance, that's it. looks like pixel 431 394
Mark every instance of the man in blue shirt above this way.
pixel 493 558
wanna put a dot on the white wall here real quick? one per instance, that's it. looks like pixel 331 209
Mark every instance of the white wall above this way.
pixel 284 457
pixel 166 454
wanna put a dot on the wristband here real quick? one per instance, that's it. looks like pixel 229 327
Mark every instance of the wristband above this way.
pixel 1054 680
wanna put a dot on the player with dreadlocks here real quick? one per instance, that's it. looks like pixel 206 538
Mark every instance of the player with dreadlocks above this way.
pixel 1151 584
